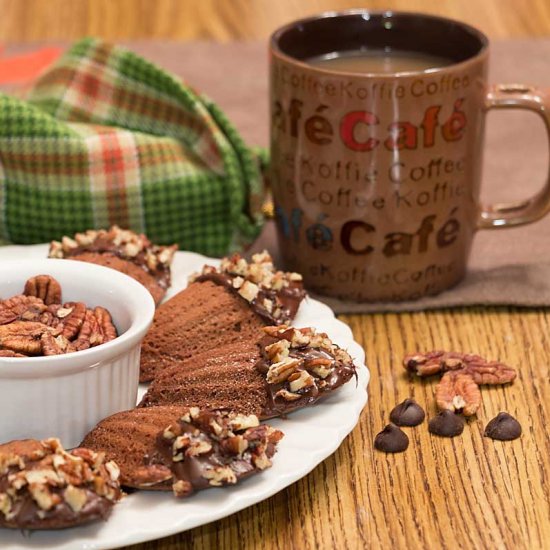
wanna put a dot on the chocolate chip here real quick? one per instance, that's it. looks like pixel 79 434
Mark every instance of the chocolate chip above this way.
pixel 391 440
pixel 407 413
pixel 446 424
pixel 503 427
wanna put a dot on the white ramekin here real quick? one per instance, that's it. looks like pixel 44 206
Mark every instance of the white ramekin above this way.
pixel 66 395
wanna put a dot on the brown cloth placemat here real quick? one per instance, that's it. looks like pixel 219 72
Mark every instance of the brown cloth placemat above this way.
pixel 507 266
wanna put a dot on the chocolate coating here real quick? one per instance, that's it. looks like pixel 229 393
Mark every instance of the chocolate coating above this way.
pixel 446 424
pixel 503 427
pixel 289 297
pixel 26 513
pixel 42 486
pixel 341 370
pixel 407 413
pixel 184 449
pixel 391 439
pixel 114 242
pixel 272 295
pixel 220 462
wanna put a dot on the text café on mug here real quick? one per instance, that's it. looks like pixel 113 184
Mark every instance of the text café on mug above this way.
pixel 318 129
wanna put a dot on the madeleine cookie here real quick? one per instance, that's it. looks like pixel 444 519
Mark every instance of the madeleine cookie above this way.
pixel 160 448
pixel 42 486
pixel 287 369
pixel 123 250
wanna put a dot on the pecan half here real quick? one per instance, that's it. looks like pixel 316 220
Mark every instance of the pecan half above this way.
pixel 50 317
pixel 433 362
pixel 153 474
pixel 106 324
pixel 490 373
pixel 23 337
pixel 54 345
pixel 21 307
pixel 481 370
pixel 44 287
pixel 457 391
pixel 73 320
pixel 90 333
pixel 6 315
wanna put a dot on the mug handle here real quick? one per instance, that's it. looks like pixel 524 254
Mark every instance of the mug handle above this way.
pixel 518 96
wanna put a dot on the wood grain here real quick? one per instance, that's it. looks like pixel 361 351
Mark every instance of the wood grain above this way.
pixel 32 20
pixel 467 492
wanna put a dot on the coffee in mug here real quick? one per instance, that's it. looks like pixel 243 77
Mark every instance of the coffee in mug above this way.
pixel 377 122
pixel 378 61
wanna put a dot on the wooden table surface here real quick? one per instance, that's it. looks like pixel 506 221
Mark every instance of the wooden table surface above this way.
pixel 36 20
pixel 467 492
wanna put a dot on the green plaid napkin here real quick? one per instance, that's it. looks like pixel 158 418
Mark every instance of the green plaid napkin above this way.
pixel 106 137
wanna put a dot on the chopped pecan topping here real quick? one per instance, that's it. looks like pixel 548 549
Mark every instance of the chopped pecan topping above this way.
pixel 123 243
pixel 274 295
pixel 154 474
pixel 287 395
pixel 249 291
pixel 40 485
pixel 301 364
pixel 215 448
pixel 240 422
pixel 182 488
pixel 279 372
pixel 44 287
pixel 300 380
pixel 75 498
pixel 261 461
pixel 220 475
pixel 113 469
pixel 236 445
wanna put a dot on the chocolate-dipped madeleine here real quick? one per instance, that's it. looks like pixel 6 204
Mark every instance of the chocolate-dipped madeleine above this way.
pixel 273 295
pixel 129 436
pixel 221 306
pixel 121 249
pixel 42 486
pixel 286 369
pixel 195 450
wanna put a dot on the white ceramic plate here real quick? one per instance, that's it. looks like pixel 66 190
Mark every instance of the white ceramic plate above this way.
pixel 311 435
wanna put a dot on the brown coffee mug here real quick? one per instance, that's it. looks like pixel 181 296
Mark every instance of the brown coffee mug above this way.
pixel 376 177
